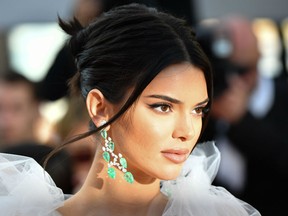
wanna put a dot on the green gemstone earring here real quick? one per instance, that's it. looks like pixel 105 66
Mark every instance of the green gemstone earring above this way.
pixel 114 160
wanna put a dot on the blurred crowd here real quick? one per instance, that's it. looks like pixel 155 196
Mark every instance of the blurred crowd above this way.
pixel 248 119
pixel 249 115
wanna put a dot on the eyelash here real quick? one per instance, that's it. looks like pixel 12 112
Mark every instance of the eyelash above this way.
pixel 203 109
pixel 161 105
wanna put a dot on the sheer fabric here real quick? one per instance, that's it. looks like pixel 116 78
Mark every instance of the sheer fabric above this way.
pixel 26 189
pixel 192 193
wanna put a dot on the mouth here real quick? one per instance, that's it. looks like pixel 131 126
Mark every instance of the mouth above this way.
pixel 176 156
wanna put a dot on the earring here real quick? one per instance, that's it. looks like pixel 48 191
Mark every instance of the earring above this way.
pixel 112 159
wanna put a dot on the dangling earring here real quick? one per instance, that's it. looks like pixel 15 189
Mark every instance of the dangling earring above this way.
pixel 112 159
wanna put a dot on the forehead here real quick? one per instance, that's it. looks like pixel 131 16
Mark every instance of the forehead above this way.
pixel 182 79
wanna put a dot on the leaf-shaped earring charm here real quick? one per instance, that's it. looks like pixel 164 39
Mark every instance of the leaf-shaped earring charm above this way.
pixel 114 160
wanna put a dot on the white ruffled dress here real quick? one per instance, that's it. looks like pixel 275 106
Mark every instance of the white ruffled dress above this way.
pixel 27 190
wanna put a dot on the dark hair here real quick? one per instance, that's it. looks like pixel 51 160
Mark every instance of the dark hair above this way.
pixel 127 47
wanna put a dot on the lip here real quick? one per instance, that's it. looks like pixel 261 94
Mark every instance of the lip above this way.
pixel 176 155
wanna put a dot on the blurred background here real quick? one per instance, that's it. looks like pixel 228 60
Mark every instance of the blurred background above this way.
pixel 26 24
pixel 30 36
pixel 30 41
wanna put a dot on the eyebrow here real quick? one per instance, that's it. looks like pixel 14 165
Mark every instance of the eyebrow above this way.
pixel 203 102
pixel 173 100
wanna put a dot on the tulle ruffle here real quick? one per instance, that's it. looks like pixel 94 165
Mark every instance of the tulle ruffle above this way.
pixel 192 194
pixel 26 189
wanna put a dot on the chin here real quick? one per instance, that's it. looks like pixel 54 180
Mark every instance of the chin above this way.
pixel 171 174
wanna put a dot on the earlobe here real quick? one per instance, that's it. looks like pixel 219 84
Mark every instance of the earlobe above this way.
pixel 96 107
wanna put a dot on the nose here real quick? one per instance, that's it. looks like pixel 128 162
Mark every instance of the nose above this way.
pixel 184 128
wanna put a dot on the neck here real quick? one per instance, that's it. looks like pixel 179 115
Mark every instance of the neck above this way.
pixel 108 196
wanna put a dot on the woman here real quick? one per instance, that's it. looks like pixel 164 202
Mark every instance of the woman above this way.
pixel 147 87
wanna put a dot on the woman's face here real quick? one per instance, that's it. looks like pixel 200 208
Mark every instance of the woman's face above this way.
pixel 158 133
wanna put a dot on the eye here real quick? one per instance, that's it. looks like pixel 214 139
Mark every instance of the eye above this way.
pixel 200 111
pixel 163 108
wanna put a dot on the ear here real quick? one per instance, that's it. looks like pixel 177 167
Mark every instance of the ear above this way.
pixel 97 107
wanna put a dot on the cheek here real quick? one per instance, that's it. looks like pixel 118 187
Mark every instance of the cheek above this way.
pixel 144 132
pixel 199 127
pixel 198 123
pixel 153 126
